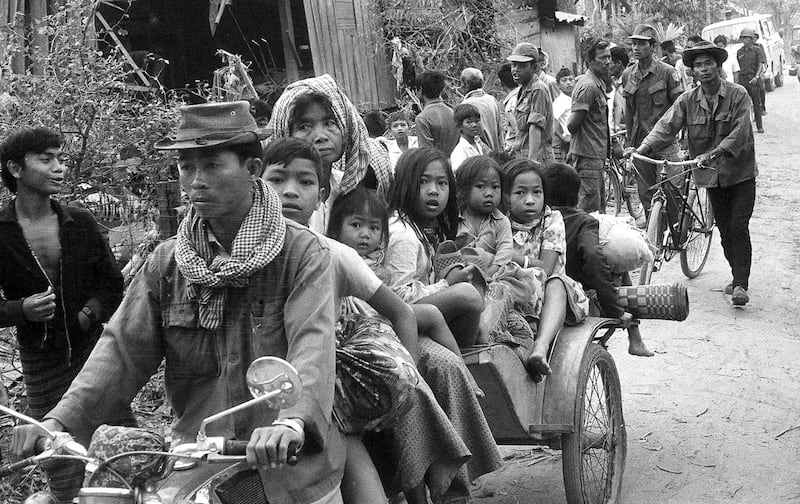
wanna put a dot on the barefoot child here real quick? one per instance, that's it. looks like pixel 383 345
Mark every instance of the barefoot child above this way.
pixel 425 214
pixel 427 446
pixel 539 244
pixel 585 261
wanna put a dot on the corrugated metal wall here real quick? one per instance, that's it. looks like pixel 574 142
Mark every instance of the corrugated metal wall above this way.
pixel 347 43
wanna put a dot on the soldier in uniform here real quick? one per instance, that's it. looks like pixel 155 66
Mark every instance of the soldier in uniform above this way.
pixel 649 87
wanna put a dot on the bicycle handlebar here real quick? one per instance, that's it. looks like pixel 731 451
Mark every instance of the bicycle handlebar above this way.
pixel 677 164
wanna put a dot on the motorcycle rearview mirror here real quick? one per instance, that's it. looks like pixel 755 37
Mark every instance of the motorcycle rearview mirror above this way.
pixel 272 381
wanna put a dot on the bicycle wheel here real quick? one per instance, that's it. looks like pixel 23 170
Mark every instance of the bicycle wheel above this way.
pixel 655 236
pixel 613 192
pixel 593 456
pixel 697 226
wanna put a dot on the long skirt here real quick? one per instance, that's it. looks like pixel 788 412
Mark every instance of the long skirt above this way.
pixel 440 435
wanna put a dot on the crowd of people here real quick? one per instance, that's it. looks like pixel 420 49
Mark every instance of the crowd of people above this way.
pixel 302 242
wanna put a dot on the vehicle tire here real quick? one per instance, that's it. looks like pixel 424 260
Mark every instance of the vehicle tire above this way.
pixel 769 84
pixel 613 192
pixel 593 456
pixel 696 242
pixel 655 235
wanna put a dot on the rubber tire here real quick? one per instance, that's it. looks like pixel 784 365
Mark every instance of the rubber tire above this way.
pixel 769 84
pixel 596 364
pixel 779 77
pixel 696 232
pixel 612 186
pixel 655 237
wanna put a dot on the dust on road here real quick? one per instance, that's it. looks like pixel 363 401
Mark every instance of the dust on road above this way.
pixel 714 417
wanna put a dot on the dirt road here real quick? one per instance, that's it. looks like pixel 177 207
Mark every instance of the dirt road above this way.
pixel 714 417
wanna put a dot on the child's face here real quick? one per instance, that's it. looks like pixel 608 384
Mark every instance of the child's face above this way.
pixel 298 187
pixel 362 233
pixel 566 84
pixel 526 201
pixel 484 195
pixel 434 191
pixel 399 129
pixel 470 127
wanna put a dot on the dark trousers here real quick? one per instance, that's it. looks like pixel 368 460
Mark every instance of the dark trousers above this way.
pixel 733 207
pixel 754 90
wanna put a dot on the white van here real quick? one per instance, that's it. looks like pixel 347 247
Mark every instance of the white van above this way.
pixel 768 38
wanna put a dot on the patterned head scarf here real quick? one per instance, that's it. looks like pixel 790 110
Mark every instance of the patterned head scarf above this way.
pixel 360 151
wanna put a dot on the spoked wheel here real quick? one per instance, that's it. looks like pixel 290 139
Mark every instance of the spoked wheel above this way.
pixel 593 456
pixel 698 227
pixel 655 237
pixel 631 190
pixel 613 192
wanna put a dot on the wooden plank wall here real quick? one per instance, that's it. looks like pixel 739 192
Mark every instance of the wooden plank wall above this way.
pixel 346 42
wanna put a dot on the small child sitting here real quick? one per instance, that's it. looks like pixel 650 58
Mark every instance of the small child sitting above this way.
pixel 481 224
pixel 539 247
pixel 585 260
pixel 468 121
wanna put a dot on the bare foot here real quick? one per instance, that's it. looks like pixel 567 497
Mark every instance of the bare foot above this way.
pixel 636 344
pixel 536 366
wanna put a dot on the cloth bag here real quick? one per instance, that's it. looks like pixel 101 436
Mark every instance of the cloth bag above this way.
pixel 622 243
pixel 375 375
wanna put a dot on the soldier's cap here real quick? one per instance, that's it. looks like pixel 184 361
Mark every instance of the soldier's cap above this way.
pixel 704 47
pixel 523 53
pixel 213 124
pixel 644 32
pixel 748 32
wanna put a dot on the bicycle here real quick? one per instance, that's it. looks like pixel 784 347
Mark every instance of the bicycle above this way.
pixel 690 235
pixel 620 181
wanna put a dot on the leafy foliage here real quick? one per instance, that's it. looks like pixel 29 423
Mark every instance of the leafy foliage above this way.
pixel 109 129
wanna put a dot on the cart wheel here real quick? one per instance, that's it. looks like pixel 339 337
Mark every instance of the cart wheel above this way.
pixel 593 456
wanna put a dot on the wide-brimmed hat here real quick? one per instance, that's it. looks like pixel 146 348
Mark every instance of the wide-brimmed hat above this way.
pixel 704 47
pixel 748 32
pixel 213 124
pixel 644 32
pixel 523 53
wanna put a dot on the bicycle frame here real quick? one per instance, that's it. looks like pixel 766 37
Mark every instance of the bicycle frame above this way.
pixel 674 239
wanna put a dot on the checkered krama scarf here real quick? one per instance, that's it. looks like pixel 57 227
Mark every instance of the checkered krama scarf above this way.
pixel 259 240
pixel 360 151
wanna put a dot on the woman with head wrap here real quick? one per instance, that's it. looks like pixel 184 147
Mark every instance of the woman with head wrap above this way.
pixel 318 111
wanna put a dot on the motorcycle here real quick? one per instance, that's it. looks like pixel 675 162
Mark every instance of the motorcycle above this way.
pixel 212 470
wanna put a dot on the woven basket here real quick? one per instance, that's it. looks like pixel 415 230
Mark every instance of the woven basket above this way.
pixel 665 302
pixel 446 258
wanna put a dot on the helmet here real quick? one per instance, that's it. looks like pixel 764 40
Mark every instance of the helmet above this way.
pixel 748 32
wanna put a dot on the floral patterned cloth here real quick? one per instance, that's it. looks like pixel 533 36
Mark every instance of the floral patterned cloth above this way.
pixel 375 375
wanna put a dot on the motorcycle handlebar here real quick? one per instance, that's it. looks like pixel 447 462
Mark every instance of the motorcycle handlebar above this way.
pixel 236 447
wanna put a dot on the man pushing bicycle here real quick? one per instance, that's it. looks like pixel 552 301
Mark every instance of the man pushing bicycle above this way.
pixel 717 118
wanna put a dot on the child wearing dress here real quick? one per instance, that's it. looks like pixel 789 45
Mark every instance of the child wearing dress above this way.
pixel 424 213
pixel 540 245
